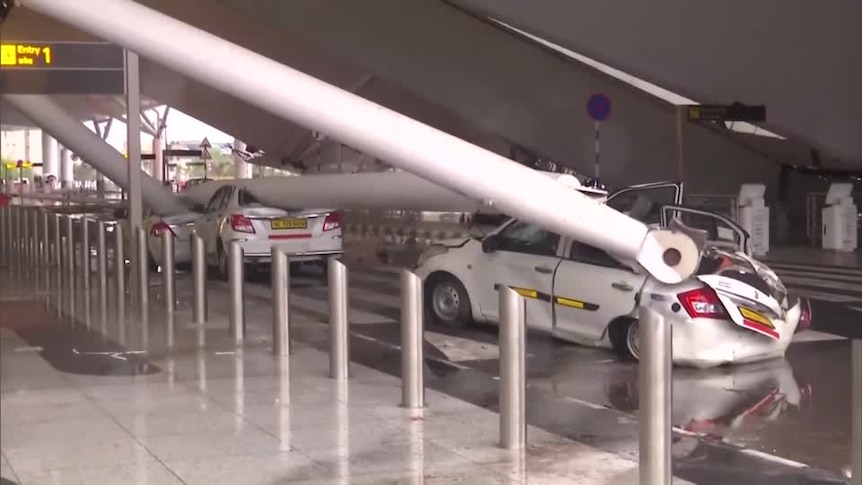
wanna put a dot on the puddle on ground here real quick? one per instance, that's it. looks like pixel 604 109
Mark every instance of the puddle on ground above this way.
pixel 71 347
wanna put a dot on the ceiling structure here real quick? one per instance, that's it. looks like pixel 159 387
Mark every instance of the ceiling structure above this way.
pixel 800 58
pixel 452 69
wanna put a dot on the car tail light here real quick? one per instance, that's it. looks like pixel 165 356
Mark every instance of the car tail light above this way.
pixel 241 223
pixel 805 315
pixel 332 221
pixel 702 303
pixel 158 228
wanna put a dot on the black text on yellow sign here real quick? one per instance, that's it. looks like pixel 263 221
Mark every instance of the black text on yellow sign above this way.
pixel 26 55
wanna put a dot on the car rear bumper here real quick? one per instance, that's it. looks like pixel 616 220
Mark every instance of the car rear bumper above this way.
pixel 705 343
pixel 260 249
pixel 310 256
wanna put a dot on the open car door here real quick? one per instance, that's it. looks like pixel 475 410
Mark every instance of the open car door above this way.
pixel 751 293
pixel 720 231
pixel 644 202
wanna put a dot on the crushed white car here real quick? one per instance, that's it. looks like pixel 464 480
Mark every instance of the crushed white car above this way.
pixel 735 310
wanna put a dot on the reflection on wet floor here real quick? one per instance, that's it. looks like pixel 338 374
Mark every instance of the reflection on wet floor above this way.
pixel 69 346
pixel 796 408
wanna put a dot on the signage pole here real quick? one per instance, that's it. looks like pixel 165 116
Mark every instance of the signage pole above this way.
pixel 680 152
pixel 597 125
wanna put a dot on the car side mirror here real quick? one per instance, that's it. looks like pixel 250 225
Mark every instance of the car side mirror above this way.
pixel 199 208
pixel 491 243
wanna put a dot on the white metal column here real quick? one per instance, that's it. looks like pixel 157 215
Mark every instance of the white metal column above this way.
pixel 158 157
pixel 50 155
pixel 67 167
pixel 400 141
pixel 241 168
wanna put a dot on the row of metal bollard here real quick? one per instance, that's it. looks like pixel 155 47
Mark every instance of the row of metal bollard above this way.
pixel 38 247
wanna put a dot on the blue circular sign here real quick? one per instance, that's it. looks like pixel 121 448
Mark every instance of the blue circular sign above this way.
pixel 599 107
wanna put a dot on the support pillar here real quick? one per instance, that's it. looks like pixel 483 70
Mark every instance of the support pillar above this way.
pixel 69 131
pixel 159 157
pixel 67 168
pixel 242 169
pixel 50 155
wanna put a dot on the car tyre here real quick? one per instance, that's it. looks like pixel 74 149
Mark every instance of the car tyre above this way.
pixel 447 302
pixel 625 338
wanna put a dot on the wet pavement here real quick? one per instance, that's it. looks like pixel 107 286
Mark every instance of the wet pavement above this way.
pixel 796 409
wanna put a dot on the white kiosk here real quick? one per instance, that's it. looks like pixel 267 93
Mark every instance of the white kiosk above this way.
pixel 753 216
pixel 838 221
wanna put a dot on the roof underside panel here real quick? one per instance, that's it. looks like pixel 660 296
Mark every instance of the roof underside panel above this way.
pixel 800 58
pixel 508 86
pixel 461 74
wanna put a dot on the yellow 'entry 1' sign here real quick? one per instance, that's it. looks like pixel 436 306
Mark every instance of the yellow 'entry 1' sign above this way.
pixel 26 55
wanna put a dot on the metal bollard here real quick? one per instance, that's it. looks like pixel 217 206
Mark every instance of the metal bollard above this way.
pixel 4 241
pixel 25 245
pixel 856 421
pixel 168 274
pixel 85 256
pixel 168 271
pixel 236 278
pixel 119 267
pixel 412 340
pixel 102 269
pixel 199 280
pixel 70 262
pixel 143 270
pixel 280 302
pixel 654 382
pixel 339 353
pixel 513 384
pixel 58 246
pixel 46 254
pixel 17 240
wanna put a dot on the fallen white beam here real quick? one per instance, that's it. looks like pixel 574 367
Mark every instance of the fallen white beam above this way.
pixel 73 135
pixel 372 190
pixel 402 142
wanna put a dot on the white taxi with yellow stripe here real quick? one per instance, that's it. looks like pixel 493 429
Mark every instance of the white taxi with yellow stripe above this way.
pixel 735 310
pixel 233 214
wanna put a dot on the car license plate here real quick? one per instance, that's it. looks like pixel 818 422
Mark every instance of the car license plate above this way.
pixel 279 224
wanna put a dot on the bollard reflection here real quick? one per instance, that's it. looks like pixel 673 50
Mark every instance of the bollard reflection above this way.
pixel 171 370
pixel 239 389
pixel 202 371
pixel 169 330
pixel 416 436
pixel 342 429
pixel 283 366
pixel 856 420
pixel 145 327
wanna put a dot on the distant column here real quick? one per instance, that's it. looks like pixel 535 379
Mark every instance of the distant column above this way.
pixel 50 155
pixel 159 160
pixel 242 169
pixel 67 174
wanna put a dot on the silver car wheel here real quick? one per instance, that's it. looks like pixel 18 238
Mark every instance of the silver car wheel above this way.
pixel 633 339
pixel 446 302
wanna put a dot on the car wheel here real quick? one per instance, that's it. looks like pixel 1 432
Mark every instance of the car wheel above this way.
pixel 447 301
pixel 625 338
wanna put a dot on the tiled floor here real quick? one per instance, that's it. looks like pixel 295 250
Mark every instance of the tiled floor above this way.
pixel 217 416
